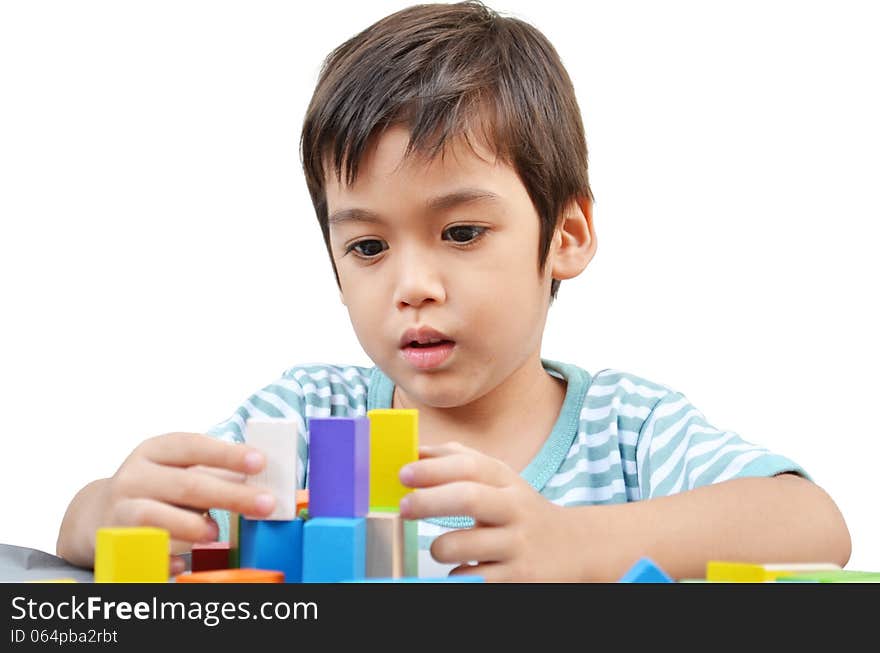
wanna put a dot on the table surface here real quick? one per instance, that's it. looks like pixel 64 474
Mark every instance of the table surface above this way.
pixel 21 564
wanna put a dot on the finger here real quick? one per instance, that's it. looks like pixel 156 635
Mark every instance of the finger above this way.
pixel 468 466
pixel 188 489
pixel 491 572
pixel 472 544
pixel 180 523
pixel 445 449
pixel 487 505
pixel 188 449
pixel 217 472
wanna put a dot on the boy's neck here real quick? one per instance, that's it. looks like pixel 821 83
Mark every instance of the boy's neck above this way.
pixel 510 423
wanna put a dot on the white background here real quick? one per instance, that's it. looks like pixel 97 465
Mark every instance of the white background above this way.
pixel 160 259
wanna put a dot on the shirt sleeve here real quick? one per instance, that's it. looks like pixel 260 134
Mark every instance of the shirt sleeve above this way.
pixel 678 450
pixel 283 398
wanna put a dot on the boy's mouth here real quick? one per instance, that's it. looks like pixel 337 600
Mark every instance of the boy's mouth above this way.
pixel 425 347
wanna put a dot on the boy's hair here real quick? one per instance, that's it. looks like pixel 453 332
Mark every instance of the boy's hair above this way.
pixel 448 71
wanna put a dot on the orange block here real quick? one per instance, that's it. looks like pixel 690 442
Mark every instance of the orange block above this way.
pixel 302 500
pixel 246 575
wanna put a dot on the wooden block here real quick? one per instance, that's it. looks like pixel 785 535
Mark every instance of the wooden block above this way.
pixel 273 545
pixel 210 555
pixel 232 576
pixel 832 576
pixel 277 439
pixel 334 549
pixel 302 500
pixel 720 571
pixel 339 466
pixel 394 442
pixel 132 555
pixel 234 536
pixel 646 570
pixel 392 545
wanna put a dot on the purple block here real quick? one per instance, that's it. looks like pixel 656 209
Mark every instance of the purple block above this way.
pixel 339 466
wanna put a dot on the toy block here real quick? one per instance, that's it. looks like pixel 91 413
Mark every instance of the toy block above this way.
pixel 392 545
pixel 242 575
pixel 302 500
pixel 210 555
pixel 234 537
pixel 721 571
pixel 277 439
pixel 273 545
pixel 334 549
pixel 132 555
pixel 645 570
pixel 339 466
pixel 833 576
pixel 394 442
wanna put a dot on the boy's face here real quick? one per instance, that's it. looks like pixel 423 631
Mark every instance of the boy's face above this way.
pixel 466 269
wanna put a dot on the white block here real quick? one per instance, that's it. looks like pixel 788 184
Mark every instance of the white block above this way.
pixel 277 439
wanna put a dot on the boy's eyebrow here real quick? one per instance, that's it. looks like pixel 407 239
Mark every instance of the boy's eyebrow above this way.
pixel 435 204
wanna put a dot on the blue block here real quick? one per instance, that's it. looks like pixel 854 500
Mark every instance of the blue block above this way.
pixel 413 579
pixel 339 466
pixel 334 549
pixel 274 545
pixel 645 571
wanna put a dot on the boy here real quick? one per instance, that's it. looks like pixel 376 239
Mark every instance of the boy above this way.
pixel 445 156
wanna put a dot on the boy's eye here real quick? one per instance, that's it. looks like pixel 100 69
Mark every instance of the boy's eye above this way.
pixel 464 230
pixel 460 234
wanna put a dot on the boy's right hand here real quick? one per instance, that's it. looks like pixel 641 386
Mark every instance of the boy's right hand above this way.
pixel 170 481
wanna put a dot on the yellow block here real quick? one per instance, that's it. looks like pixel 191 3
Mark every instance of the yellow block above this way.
pixel 394 442
pixel 720 571
pixel 132 555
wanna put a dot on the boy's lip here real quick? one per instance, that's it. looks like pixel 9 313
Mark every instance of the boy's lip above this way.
pixel 422 334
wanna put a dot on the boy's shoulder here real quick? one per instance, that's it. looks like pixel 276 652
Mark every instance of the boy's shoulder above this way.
pixel 328 373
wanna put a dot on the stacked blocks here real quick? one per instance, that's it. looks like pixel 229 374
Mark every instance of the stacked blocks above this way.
pixel 335 535
pixel 132 555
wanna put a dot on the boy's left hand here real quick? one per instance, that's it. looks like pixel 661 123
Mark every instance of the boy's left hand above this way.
pixel 518 535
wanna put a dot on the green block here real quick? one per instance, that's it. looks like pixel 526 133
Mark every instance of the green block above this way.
pixel 410 547
pixel 836 576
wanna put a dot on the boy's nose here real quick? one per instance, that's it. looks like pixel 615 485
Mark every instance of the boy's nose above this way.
pixel 419 280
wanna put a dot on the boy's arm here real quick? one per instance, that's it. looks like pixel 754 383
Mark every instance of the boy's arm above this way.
pixel 76 537
pixel 521 536
pixel 168 481
pixel 784 518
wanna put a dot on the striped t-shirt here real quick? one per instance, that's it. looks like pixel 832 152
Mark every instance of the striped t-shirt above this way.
pixel 618 438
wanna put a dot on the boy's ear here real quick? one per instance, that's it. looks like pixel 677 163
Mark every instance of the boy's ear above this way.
pixel 574 242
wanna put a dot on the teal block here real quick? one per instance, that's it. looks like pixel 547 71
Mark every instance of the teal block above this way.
pixel 273 545
pixel 334 549
pixel 645 571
